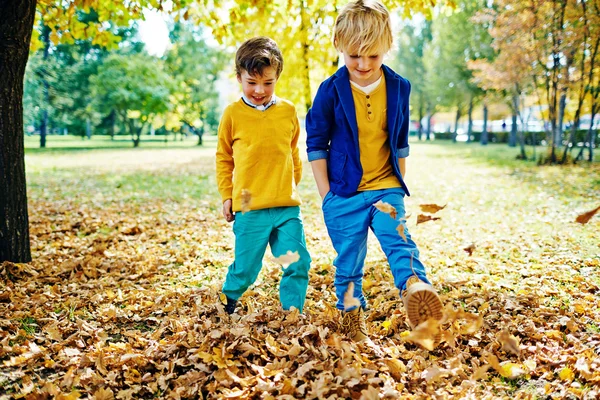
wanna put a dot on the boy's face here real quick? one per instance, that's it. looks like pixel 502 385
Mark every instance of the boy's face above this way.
pixel 259 88
pixel 363 69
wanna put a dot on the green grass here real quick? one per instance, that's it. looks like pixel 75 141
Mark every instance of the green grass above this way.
pixel 68 143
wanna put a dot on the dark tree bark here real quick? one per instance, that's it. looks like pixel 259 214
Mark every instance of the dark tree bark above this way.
pixel 16 26
pixel 470 126
pixel 484 132
pixel 46 87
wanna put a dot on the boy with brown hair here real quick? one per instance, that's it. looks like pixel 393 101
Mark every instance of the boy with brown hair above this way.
pixel 357 139
pixel 258 163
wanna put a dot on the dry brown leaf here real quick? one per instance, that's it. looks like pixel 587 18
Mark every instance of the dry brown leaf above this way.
pixel 104 394
pixel 425 333
pixel 470 248
pixel 386 208
pixel 246 200
pixel 396 367
pixel 480 372
pixel 371 393
pixel 287 258
pixel 401 228
pixel 435 373
pixel 431 208
pixel 585 217
pixel 510 344
pixel 349 300
pixel 424 218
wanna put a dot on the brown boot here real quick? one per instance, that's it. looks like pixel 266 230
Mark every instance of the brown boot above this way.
pixel 353 324
pixel 421 302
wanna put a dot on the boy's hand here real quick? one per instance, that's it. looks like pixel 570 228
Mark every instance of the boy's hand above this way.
pixel 227 213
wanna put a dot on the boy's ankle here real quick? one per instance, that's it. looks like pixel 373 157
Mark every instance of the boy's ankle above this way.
pixel 229 303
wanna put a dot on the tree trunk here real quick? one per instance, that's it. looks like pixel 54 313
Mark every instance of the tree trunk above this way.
pixel 16 26
pixel 113 122
pixel 455 132
pixel 429 118
pixel 46 87
pixel 470 127
pixel 421 116
pixel 512 138
pixel 484 132
pixel 561 117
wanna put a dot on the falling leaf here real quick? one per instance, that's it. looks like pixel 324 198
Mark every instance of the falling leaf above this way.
pixel 246 200
pixel 424 218
pixel 470 248
pixel 386 208
pixel 425 334
pixel 401 228
pixel 396 367
pixel 510 344
pixel 431 208
pixel 349 300
pixel 287 258
pixel 585 217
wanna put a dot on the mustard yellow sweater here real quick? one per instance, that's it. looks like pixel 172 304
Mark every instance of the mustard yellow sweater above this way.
pixel 257 151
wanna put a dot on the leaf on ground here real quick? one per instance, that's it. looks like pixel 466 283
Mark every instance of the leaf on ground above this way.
pixel 287 258
pixel 425 333
pixel 510 344
pixel 435 373
pixel 401 228
pixel 585 217
pixel 431 208
pixel 246 200
pixel 470 248
pixel 104 394
pixel 386 208
pixel 424 218
pixel 349 300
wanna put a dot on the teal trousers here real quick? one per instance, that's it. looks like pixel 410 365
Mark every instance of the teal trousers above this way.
pixel 282 229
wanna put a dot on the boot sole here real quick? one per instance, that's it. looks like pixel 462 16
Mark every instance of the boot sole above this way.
pixel 423 303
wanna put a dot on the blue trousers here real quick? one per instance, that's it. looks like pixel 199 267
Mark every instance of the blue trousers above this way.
pixel 348 220
pixel 282 229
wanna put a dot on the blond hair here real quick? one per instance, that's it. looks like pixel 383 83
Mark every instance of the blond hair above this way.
pixel 363 27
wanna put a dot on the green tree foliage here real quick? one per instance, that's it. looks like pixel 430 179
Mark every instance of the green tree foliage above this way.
pixel 195 67
pixel 136 87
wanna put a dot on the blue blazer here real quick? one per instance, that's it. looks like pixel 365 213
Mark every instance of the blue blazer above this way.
pixel 332 130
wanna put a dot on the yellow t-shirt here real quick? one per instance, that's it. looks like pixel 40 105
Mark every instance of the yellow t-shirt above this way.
pixel 258 151
pixel 374 146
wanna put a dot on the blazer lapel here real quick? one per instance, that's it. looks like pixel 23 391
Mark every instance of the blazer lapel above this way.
pixel 342 85
pixel 392 86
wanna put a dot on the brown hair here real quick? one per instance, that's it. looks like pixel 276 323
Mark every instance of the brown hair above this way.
pixel 255 54
pixel 364 28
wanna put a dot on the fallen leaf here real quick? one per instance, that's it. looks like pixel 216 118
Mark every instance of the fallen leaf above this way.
pixel 401 228
pixel 585 217
pixel 104 394
pixel 435 373
pixel 349 300
pixel 431 208
pixel 287 258
pixel 566 374
pixel 470 248
pixel 424 218
pixel 425 333
pixel 386 208
pixel 246 200
pixel 510 344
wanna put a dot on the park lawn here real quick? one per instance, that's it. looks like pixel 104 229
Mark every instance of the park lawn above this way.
pixel 130 251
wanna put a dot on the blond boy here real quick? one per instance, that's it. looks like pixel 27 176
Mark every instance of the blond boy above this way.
pixel 357 145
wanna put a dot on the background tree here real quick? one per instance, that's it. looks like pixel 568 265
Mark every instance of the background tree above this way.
pixel 195 66
pixel 136 87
